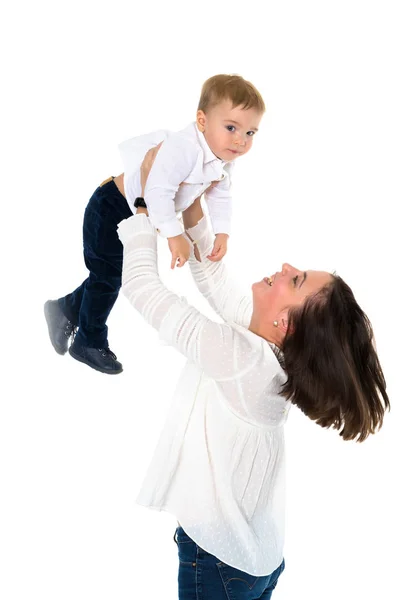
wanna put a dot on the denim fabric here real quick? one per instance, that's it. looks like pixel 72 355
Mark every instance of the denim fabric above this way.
pixel 203 576
pixel 91 303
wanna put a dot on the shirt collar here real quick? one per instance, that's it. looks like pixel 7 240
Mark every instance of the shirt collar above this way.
pixel 209 155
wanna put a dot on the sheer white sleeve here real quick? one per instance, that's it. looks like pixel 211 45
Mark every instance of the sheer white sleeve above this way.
pixel 240 362
pixel 213 280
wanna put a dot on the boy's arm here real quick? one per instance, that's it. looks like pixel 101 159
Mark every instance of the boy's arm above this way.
pixel 173 163
pixel 219 202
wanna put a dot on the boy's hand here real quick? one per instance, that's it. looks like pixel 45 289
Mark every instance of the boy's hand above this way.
pixel 220 247
pixel 180 250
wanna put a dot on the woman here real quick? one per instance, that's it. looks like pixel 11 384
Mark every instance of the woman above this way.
pixel 219 466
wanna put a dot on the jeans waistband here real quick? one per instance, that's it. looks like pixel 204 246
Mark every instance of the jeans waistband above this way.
pixel 107 181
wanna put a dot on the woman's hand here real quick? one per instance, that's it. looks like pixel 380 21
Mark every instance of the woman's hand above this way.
pixel 146 165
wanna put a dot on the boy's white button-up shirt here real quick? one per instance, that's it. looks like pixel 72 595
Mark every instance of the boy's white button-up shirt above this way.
pixel 184 168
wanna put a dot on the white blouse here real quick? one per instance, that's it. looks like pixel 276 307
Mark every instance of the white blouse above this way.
pixel 219 463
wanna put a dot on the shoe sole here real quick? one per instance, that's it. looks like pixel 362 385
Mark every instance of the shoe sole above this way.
pixel 89 364
pixel 47 316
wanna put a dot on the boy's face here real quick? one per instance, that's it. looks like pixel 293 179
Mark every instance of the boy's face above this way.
pixel 229 131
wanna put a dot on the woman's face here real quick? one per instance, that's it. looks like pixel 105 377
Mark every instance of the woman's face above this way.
pixel 290 287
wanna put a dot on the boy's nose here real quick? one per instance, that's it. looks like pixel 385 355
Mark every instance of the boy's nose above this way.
pixel 239 141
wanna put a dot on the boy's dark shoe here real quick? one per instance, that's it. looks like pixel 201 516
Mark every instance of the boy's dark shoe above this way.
pixel 100 359
pixel 60 329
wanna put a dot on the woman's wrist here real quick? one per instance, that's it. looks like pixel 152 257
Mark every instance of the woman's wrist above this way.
pixel 141 206
pixel 142 211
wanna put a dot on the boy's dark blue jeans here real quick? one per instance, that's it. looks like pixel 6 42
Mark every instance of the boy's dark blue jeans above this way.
pixel 203 576
pixel 90 304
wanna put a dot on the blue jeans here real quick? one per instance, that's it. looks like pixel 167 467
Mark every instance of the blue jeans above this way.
pixel 203 576
pixel 90 304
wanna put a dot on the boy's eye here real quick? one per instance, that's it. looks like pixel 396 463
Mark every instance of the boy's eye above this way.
pixel 230 127
pixel 250 133
pixel 295 279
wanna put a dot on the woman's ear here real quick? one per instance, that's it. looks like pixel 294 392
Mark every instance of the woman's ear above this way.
pixel 283 321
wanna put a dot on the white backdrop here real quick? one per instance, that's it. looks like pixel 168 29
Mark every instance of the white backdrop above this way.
pixel 320 189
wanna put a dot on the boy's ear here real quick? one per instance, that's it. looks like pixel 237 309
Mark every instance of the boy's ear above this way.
pixel 201 121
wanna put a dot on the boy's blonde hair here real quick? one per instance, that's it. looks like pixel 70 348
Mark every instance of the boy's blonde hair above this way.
pixel 230 87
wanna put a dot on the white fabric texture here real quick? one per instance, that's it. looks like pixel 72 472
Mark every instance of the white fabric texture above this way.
pixel 184 168
pixel 219 463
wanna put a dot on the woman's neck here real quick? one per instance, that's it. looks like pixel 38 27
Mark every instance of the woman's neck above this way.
pixel 268 332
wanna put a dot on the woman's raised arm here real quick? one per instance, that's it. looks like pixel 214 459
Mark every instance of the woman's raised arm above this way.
pixel 212 278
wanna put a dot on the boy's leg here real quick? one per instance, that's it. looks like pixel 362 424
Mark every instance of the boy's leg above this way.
pixel 71 304
pixel 103 253
pixel 94 299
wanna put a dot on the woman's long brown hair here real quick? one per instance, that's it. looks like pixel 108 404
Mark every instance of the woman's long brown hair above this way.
pixel 334 374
